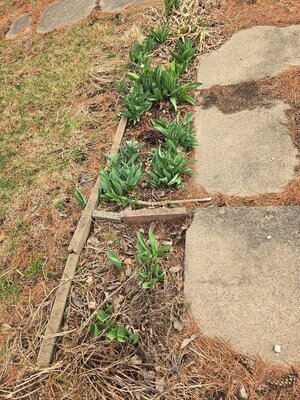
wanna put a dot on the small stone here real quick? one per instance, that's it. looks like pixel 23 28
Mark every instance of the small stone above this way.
pixel 18 26
pixel 269 237
pixel 242 393
pixel 277 348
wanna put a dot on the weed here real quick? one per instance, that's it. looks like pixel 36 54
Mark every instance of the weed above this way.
pixel 78 155
pixel 111 55
pixel 4 351
pixel 168 167
pixel 59 206
pixel 121 86
pixel 175 133
pixel 69 126
pixel 122 335
pixel 8 291
pixel 149 253
pixel 20 227
pixel 35 267
pixel 80 199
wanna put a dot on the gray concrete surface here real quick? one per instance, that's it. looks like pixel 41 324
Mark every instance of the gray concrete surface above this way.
pixel 242 278
pixel 64 12
pixel 18 26
pixel 253 53
pixel 117 5
pixel 244 153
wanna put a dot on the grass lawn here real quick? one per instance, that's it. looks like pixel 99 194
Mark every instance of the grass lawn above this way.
pixel 57 119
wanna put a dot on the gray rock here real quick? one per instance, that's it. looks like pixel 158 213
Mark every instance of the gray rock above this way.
pixel 117 5
pixel 19 26
pixel 65 12
pixel 244 153
pixel 242 287
pixel 253 53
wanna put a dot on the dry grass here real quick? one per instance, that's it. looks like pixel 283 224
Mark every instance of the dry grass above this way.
pixel 40 216
pixel 58 120
pixel 172 360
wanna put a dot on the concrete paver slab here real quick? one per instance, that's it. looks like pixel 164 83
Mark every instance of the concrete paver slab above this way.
pixel 18 26
pixel 251 54
pixel 65 12
pixel 242 278
pixel 244 153
pixel 117 5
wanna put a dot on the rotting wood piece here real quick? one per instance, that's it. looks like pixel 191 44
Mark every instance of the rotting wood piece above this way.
pixel 49 339
pixel 155 214
pixel 169 202
pixel 84 224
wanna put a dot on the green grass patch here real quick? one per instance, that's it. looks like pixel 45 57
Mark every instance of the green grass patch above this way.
pixel 8 291
pixel 36 122
pixel 35 267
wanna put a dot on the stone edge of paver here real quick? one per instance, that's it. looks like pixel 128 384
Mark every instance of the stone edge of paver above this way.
pixel 198 213
pixel 118 9
pixel 45 31
pixel 156 214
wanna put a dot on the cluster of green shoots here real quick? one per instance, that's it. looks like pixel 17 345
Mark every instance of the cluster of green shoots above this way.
pixel 104 322
pixel 119 181
pixel 150 272
pixel 148 85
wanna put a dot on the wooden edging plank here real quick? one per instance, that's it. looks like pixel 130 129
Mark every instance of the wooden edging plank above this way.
pixel 107 216
pixel 84 225
pixel 75 248
pixel 57 312
pixel 156 214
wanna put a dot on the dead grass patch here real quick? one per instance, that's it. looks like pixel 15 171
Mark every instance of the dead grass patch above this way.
pixel 58 101
pixel 242 14
pixel 172 360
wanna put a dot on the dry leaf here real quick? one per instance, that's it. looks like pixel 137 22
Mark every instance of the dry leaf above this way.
pixel 129 261
pixel 160 385
pixel 175 269
pixel 92 305
pixel 178 325
pixel 135 360
pixel 89 280
pixel 186 342
pixel 76 301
